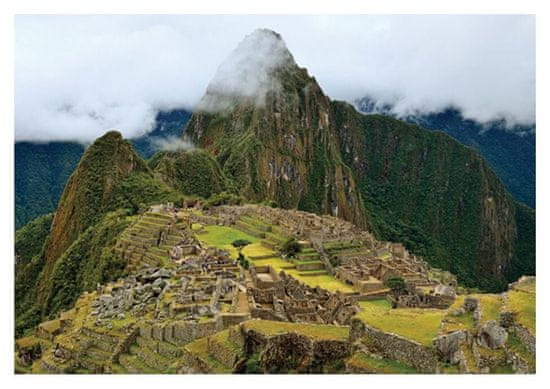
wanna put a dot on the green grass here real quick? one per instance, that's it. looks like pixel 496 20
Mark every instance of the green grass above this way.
pixel 379 366
pixel 418 324
pixel 199 348
pixel 316 331
pixel 256 249
pixel 524 304
pixel 490 306
pixel 222 237
pixel 514 344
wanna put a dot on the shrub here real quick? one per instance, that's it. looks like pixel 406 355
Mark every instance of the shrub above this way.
pixel 397 285
pixel 240 243
pixel 291 247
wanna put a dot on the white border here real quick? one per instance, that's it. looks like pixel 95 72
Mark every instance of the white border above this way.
pixel 10 8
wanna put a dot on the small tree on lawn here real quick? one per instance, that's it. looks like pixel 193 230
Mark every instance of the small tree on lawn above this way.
pixel 239 244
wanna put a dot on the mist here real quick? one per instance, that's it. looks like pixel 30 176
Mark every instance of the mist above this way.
pixel 171 143
pixel 79 76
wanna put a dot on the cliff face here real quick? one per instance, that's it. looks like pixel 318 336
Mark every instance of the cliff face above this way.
pixel 276 138
pixel 436 195
pixel 283 139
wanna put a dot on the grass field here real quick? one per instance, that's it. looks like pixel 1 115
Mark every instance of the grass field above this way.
pixel 418 324
pixel 257 249
pixel 222 237
pixel 490 306
pixel 524 304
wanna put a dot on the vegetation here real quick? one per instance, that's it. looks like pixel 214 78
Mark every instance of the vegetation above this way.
pixel 524 305
pixel 240 243
pixel 30 239
pixel 222 237
pixel 378 314
pixel 370 364
pixel 41 172
pixel 397 285
pixel 315 331
pixel 192 172
pixel 291 247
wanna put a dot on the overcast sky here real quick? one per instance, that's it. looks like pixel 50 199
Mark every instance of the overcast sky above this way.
pixel 78 76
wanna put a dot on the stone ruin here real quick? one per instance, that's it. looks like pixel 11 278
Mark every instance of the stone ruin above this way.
pixel 283 298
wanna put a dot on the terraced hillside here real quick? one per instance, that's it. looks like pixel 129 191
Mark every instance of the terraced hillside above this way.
pixel 202 311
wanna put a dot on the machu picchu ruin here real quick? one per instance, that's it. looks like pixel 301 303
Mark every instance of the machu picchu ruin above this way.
pixel 187 305
pixel 275 231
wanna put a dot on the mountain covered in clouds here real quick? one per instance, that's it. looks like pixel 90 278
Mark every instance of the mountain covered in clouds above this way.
pixel 270 133
pixel 509 151
pixel 279 137
pixel 42 169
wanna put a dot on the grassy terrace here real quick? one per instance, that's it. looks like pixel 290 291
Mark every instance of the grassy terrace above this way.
pixel 199 348
pixel 418 324
pixel 524 304
pixel 318 332
pixel 222 237
pixel 379 366
pixel 490 306
pixel 464 322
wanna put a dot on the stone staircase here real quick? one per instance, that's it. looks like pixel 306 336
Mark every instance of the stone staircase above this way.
pixel 308 262
pixel 270 234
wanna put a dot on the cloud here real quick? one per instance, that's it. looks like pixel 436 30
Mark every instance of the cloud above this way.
pixel 78 76
pixel 247 73
pixel 171 143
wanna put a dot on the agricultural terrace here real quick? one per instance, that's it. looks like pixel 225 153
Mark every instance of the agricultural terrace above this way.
pixel 418 324
pixel 314 331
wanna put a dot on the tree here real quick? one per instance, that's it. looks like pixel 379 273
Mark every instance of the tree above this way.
pixel 397 285
pixel 291 247
pixel 240 243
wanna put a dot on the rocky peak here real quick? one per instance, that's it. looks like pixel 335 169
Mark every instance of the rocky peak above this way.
pixel 250 73
pixel 104 164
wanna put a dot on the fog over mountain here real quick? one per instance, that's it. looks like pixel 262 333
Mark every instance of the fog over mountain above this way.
pixel 78 76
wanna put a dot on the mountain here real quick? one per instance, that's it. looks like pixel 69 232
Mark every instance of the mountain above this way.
pixel 509 151
pixel 42 169
pixel 272 130
pixel 60 255
pixel 280 138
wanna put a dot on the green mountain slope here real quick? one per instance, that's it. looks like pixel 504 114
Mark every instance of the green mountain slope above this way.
pixel 60 256
pixel 293 145
pixel 41 171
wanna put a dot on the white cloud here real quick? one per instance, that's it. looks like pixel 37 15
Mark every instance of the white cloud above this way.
pixel 77 76
pixel 171 143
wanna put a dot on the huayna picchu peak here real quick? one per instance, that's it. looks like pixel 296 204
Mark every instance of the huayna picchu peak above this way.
pixel 302 150
pixel 289 234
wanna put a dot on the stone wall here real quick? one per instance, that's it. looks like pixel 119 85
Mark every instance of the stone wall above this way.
pixel 179 332
pixel 393 346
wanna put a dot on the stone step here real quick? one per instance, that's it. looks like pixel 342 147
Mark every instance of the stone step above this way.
pixel 150 358
pixel 222 349
pixel 97 342
pixel 309 265
pixel 133 365
pixel 166 349
pixel 196 356
pixel 249 230
pixel 97 353
pixel 312 273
